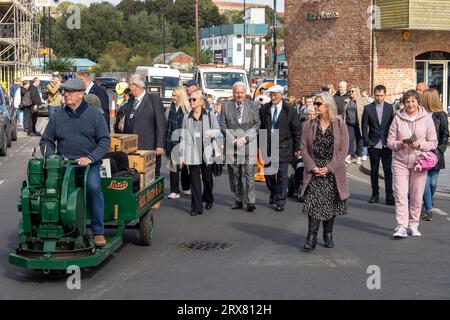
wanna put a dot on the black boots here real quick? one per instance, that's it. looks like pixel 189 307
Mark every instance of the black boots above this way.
pixel 313 228
pixel 328 233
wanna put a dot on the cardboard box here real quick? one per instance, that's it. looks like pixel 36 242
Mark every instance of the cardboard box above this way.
pixel 127 143
pixel 141 160
pixel 147 177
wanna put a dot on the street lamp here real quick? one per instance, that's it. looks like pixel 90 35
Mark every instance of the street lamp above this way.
pixel 274 37
pixel 244 34
pixel 196 33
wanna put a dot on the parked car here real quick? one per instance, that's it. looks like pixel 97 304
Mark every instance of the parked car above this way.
pixel 8 128
pixel 45 79
pixel 107 82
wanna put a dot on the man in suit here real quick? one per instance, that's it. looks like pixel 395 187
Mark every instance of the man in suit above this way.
pixel 281 116
pixel 240 123
pixel 376 121
pixel 341 96
pixel 31 115
pixel 145 117
pixel 99 91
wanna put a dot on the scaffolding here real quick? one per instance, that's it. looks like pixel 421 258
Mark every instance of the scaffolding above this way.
pixel 19 39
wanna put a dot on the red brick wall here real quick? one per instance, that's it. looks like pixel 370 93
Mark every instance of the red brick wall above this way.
pixel 327 51
pixel 394 62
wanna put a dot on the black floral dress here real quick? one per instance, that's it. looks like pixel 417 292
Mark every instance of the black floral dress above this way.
pixel 322 201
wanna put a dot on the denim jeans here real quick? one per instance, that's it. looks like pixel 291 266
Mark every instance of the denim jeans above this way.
pixel 95 199
pixel 19 116
pixel 53 109
pixel 430 188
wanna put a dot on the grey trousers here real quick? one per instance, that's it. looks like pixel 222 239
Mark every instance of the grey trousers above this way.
pixel 236 185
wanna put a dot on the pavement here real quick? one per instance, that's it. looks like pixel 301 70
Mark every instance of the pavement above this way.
pixel 444 175
pixel 265 258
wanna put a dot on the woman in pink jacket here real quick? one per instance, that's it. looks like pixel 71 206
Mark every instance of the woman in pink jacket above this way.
pixel 411 131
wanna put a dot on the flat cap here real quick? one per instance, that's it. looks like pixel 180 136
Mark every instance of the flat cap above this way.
pixel 73 85
pixel 276 88
pixel 191 83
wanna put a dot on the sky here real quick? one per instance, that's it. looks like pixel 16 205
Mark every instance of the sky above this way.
pixel 280 3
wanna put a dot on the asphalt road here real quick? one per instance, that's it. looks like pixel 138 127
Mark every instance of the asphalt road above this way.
pixel 264 261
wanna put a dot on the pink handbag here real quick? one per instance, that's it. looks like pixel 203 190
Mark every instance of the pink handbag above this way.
pixel 426 161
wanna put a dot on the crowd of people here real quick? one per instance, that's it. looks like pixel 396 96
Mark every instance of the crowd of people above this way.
pixel 317 135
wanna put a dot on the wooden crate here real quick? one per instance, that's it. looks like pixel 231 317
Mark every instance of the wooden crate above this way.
pixel 127 143
pixel 142 159
pixel 147 177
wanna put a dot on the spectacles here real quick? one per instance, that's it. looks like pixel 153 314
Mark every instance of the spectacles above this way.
pixel 352 91
pixel 193 100
pixel 317 104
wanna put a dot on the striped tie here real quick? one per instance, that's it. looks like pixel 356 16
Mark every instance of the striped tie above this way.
pixel 239 110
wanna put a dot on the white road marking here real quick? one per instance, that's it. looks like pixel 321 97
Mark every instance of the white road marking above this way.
pixel 440 212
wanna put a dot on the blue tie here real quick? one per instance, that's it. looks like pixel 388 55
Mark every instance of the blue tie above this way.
pixel 274 118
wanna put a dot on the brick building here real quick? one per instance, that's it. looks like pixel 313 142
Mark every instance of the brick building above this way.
pixel 333 40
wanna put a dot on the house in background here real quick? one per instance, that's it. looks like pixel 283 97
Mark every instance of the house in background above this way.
pixel 177 60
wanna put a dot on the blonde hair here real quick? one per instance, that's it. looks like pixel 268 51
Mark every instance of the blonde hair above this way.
pixel 182 99
pixel 431 101
pixel 329 101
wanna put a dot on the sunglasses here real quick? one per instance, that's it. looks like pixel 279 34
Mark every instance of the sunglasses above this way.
pixel 318 104
pixel 352 91
pixel 193 100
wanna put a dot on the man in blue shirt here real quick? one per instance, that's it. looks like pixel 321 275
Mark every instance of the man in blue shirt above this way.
pixel 79 132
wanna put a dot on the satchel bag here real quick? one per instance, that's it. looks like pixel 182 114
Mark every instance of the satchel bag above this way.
pixel 26 100
pixel 216 168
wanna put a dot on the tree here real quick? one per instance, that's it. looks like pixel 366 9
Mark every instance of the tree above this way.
pixel 59 64
pixel 131 7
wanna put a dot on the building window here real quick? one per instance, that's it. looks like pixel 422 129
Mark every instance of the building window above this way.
pixel 420 71
pixel 203 43
pixel 248 53
pixel 239 36
pixel 220 41
pixel 215 41
pixel 239 47
pixel 230 60
pixel 248 40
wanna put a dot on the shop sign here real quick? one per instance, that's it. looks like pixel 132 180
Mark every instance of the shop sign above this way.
pixel 323 15
pixel 434 55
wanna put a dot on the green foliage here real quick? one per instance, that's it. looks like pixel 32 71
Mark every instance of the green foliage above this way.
pixel 59 64
pixel 121 37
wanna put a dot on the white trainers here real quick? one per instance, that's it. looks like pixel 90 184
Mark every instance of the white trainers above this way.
pixel 364 158
pixel 358 160
pixel 414 231
pixel 400 233
pixel 348 159
pixel 173 195
pixel 187 192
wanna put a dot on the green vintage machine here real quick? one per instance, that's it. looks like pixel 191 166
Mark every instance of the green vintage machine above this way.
pixel 53 231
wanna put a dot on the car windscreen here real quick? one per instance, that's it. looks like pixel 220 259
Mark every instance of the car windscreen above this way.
pixel 222 80
pixel 168 82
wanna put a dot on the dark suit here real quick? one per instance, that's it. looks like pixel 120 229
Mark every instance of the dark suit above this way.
pixel 149 123
pixel 375 131
pixel 288 125
pixel 101 93
pixel 30 118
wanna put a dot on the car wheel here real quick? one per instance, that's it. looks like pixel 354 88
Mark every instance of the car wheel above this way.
pixel 8 137
pixel 14 130
pixel 3 143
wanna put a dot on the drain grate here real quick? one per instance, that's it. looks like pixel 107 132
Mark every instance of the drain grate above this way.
pixel 206 245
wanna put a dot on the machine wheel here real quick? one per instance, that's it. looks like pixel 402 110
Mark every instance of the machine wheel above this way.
pixel 4 143
pixel 146 225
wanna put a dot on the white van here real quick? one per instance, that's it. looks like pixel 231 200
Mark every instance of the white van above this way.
pixel 161 74
pixel 218 82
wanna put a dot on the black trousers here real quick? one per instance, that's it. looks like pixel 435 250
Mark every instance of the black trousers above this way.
pixel 278 185
pixel 356 143
pixel 158 166
pixel 175 180
pixel 198 197
pixel 385 155
pixel 29 120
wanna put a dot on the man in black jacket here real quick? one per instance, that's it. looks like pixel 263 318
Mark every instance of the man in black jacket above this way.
pixel 281 116
pixel 340 97
pixel 376 121
pixel 31 114
pixel 99 91
pixel 145 117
